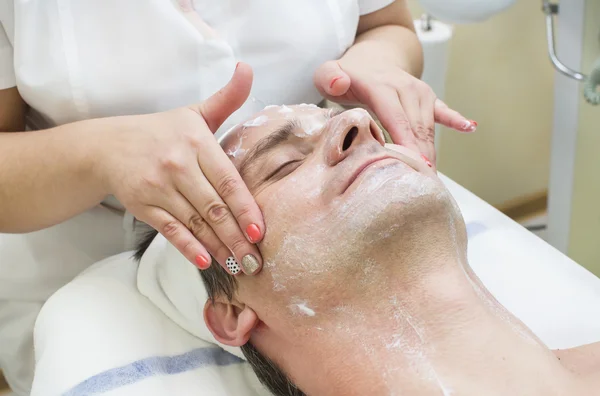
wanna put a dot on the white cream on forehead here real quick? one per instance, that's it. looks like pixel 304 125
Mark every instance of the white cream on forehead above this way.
pixel 258 121
pixel 310 126
pixel 237 150
pixel 312 106
pixel 284 109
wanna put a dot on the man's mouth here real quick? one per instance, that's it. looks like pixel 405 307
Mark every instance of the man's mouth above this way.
pixel 365 167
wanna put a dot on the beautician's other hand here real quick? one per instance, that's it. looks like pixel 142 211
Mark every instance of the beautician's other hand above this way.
pixel 406 106
pixel 169 171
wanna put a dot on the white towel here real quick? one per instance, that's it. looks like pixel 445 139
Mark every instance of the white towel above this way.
pixel 174 285
pixel 99 335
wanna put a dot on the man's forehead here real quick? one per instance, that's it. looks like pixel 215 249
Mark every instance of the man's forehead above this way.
pixel 242 137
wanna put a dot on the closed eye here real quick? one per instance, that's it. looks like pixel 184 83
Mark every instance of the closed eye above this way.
pixel 279 172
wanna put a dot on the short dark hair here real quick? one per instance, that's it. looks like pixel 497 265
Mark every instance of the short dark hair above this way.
pixel 220 283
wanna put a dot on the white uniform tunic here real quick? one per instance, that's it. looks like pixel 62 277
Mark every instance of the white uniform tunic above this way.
pixel 78 59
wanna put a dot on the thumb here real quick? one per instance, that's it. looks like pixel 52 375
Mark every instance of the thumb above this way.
pixel 331 80
pixel 216 109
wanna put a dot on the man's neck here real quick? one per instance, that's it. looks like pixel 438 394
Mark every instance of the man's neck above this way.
pixel 443 334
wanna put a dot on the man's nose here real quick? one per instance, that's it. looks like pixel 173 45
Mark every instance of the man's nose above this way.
pixel 350 130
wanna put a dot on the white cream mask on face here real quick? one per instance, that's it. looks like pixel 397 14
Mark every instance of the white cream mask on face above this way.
pixel 258 121
pixel 238 150
pixel 284 109
pixel 310 124
pixel 331 236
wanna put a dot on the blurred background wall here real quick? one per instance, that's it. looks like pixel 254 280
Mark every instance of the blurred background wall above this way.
pixel 500 76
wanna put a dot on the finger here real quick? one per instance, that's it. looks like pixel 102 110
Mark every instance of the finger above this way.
pixel 452 119
pixel 331 80
pixel 184 212
pixel 207 200
pixel 178 235
pixel 386 106
pixel 226 180
pixel 427 106
pixel 216 109
pixel 410 102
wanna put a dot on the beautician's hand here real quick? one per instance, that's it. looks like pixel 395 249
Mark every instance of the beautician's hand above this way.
pixel 406 106
pixel 169 171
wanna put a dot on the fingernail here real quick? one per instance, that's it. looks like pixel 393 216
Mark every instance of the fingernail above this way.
pixel 236 65
pixel 426 161
pixel 333 80
pixel 232 265
pixel 250 264
pixel 202 262
pixel 253 233
pixel 469 126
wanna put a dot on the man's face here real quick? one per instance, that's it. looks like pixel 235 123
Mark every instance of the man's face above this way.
pixel 333 196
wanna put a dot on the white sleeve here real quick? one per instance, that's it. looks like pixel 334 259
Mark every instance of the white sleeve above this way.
pixel 7 67
pixel 369 6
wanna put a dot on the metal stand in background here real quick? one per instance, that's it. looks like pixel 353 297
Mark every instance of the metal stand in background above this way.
pixel 550 10
pixel 426 22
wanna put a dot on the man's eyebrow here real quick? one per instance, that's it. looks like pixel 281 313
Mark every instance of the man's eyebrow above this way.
pixel 280 136
pixel 269 143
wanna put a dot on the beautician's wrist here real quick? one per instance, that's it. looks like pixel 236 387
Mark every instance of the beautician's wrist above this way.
pixel 395 47
pixel 368 53
pixel 94 138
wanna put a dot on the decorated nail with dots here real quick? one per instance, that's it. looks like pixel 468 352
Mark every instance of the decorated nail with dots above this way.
pixel 232 265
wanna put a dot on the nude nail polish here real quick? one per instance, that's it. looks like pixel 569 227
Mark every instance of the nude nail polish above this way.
pixel 250 264
pixel 253 233
pixel 232 265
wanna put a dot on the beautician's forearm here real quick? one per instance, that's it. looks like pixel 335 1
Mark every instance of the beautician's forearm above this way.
pixel 389 44
pixel 46 177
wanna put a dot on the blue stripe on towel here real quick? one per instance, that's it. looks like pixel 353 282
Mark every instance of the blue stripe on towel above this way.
pixel 157 365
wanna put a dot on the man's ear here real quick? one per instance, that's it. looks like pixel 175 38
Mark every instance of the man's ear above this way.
pixel 229 324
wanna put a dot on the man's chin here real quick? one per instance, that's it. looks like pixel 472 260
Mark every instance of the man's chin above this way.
pixel 389 199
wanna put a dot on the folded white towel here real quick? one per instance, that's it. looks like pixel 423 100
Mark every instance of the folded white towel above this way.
pixel 99 335
pixel 174 285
